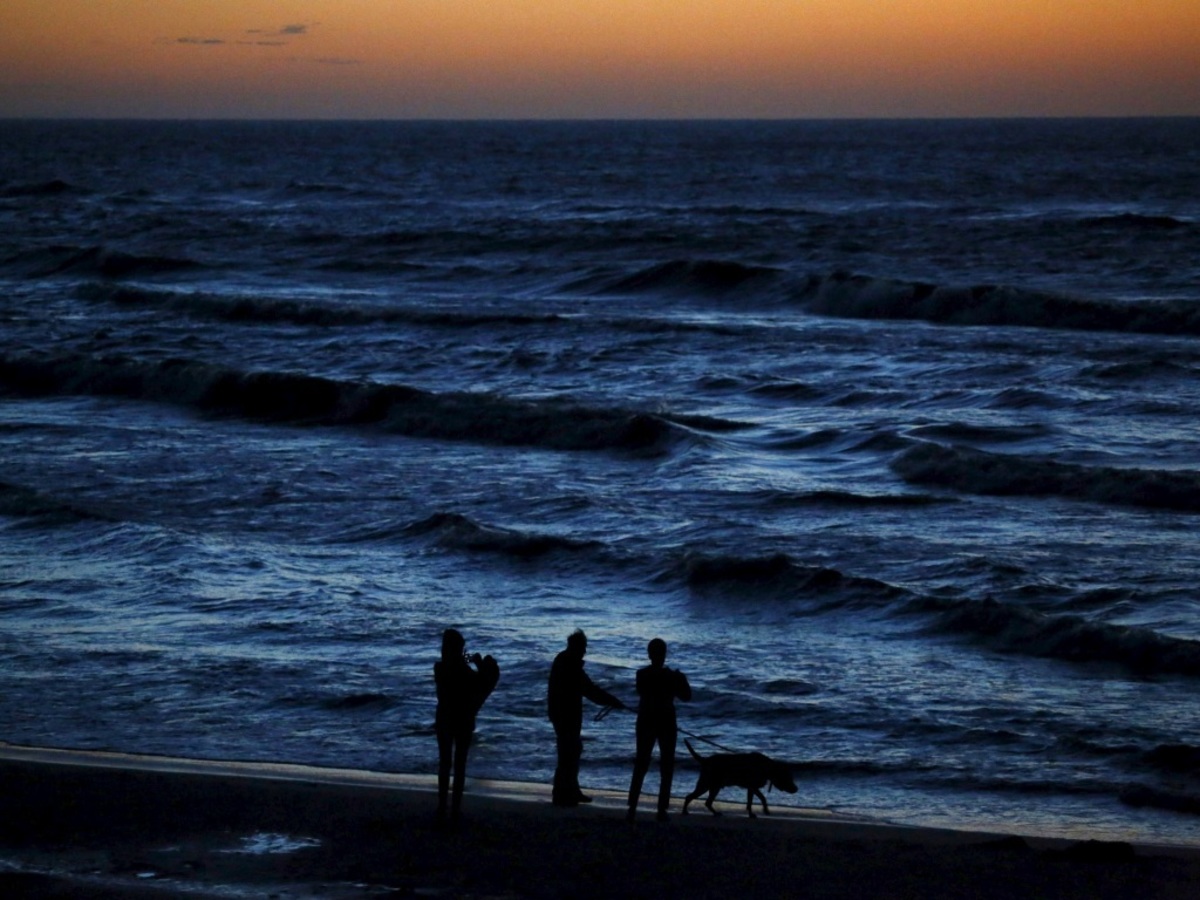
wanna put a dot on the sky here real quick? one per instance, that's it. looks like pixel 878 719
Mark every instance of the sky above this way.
pixel 370 59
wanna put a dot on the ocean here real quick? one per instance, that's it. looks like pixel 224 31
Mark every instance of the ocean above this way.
pixel 887 428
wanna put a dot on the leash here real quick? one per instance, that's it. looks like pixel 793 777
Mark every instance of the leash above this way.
pixel 692 734
pixel 606 711
pixel 603 714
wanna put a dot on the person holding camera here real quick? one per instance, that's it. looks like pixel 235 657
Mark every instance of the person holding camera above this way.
pixel 463 683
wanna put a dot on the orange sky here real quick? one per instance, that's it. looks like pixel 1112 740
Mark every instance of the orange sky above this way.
pixel 598 58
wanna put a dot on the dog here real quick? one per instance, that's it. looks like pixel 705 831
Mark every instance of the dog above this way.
pixel 753 771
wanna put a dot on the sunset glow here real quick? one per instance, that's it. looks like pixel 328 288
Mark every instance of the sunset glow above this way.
pixel 616 58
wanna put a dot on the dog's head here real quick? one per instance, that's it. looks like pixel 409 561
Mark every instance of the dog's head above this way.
pixel 781 777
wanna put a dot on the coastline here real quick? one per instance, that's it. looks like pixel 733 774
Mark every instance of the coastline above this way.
pixel 95 824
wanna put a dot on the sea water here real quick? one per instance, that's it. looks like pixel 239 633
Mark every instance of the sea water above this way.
pixel 887 428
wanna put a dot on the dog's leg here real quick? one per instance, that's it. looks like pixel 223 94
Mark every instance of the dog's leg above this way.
pixel 701 787
pixel 750 803
pixel 712 795
pixel 763 801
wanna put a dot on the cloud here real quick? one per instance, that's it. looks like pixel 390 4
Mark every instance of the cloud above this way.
pixel 263 37
pixel 299 30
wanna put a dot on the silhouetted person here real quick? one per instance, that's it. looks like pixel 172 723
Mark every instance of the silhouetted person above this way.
pixel 461 691
pixel 569 684
pixel 657 688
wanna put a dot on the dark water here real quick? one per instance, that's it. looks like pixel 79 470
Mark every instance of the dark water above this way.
pixel 889 429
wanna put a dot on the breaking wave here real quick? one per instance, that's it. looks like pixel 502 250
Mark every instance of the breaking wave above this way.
pixel 704 276
pixel 312 400
pixel 1174 758
pixel 1136 222
pixel 864 297
pixel 1017 629
pixel 102 261
pixel 980 472
pixel 849 499
pixel 270 310
pixel 1138 795
pixel 777 576
pixel 52 188
pixel 457 531
pixel 22 502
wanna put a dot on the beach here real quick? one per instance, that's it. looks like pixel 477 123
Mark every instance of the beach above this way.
pixel 100 825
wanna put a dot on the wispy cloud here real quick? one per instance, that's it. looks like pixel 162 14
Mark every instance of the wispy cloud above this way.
pixel 263 37
pixel 299 30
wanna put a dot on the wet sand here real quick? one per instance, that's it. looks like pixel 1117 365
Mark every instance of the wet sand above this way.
pixel 97 825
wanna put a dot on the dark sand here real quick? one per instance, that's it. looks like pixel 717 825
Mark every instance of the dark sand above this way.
pixel 104 825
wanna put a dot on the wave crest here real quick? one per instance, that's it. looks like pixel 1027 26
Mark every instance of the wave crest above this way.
pixel 1174 758
pixel 457 531
pixel 304 399
pixel 271 310
pixel 1159 798
pixel 102 261
pixel 1069 637
pixel 1136 222
pixel 23 502
pixel 703 275
pixel 52 188
pixel 778 576
pixel 854 296
pixel 980 472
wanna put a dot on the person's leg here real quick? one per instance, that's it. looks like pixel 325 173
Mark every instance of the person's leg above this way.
pixel 462 745
pixel 566 773
pixel 666 764
pixel 576 756
pixel 444 741
pixel 641 765
pixel 558 762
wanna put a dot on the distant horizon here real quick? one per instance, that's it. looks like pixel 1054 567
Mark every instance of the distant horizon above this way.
pixel 1116 117
pixel 520 60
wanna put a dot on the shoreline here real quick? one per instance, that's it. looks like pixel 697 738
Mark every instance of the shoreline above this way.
pixel 102 824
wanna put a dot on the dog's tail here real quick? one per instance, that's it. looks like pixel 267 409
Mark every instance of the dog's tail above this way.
pixel 692 750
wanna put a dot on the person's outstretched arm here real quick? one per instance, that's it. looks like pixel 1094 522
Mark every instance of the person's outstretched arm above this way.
pixel 597 694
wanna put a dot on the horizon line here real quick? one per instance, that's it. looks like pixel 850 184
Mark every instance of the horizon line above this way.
pixel 1011 117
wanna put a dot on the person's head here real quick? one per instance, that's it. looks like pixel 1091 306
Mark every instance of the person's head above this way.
pixel 577 642
pixel 657 651
pixel 453 644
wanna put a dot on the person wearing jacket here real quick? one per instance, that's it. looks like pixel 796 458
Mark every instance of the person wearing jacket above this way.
pixel 569 685
pixel 463 683
pixel 658 687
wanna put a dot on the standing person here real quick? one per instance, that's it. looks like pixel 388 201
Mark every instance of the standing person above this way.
pixel 569 684
pixel 657 687
pixel 461 691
